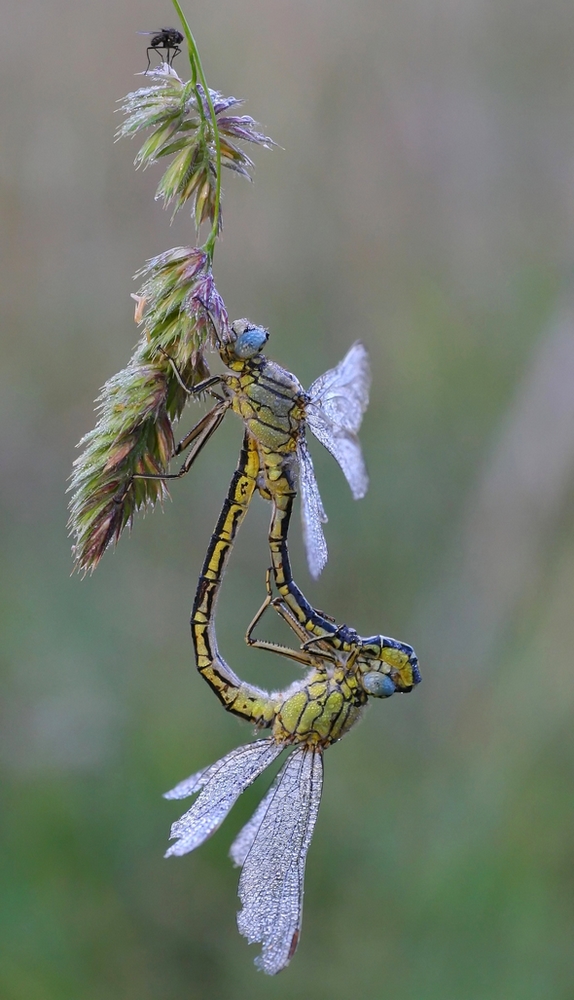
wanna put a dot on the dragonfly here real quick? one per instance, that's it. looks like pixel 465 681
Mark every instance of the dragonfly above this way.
pixel 304 720
pixel 276 410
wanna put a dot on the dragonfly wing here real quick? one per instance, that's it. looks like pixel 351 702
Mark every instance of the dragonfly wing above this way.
pixel 221 785
pixel 271 883
pixel 343 391
pixel 338 400
pixel 189 786
pixel 312 512
pixel 242 844
pixel 344 447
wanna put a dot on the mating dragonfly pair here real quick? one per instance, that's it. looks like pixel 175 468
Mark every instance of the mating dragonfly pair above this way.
pixel 344 669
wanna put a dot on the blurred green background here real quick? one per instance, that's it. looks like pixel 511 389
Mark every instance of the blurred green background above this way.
pixel 423 200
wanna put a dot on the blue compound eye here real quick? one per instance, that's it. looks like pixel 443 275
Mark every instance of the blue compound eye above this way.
pixel 250 342
pixel 378 685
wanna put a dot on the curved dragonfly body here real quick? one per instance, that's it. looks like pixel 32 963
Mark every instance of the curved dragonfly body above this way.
pixel 275 410
pixel 379 656
pixel 319 631
pixel 306 718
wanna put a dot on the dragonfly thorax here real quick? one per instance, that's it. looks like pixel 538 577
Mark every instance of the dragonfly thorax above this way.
pixel 270 402
pixel 320 709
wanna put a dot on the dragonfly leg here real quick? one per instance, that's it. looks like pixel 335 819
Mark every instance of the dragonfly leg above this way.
pixel 198 436
pixel 204 386
pixel 193 390
pixel 339 632
pixel 323 614
pixel 285 612
pixel 299 655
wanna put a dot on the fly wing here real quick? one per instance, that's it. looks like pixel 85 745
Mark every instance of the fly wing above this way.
pixel 221 785
pixel 312 512
pixel 338 400
pixel 271 883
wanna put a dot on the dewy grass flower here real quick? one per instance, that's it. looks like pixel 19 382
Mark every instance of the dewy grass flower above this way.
pixel 178 306
pixel 179 115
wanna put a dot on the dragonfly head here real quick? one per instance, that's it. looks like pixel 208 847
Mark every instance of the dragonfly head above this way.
pixel 388 658
pixel 248 340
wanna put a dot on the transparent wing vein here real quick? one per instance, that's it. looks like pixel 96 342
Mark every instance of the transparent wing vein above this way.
pixel 243 842
pixel 338 400
pixel 221 785
pixel 312 512
pixel 271 883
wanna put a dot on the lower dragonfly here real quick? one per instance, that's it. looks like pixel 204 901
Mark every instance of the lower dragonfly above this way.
pixel 306 718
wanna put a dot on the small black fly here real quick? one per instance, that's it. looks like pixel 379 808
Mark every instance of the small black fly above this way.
pixel 168 39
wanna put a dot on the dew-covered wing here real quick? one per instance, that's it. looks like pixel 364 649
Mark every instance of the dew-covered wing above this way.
pixel 242 844
pixel 221 785
pixel 189 786
pixel 271 883
pixel 312 512
pixel 338 400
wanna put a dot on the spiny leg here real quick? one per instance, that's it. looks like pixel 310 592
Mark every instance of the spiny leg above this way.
pixel 200 434
pixel 299 655
pixel 195 390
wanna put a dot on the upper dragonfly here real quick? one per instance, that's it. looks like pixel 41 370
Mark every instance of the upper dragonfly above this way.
pixel 307 717
pixel 276 410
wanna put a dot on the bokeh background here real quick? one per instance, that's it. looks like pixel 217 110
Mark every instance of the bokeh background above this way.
pixel 423 200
